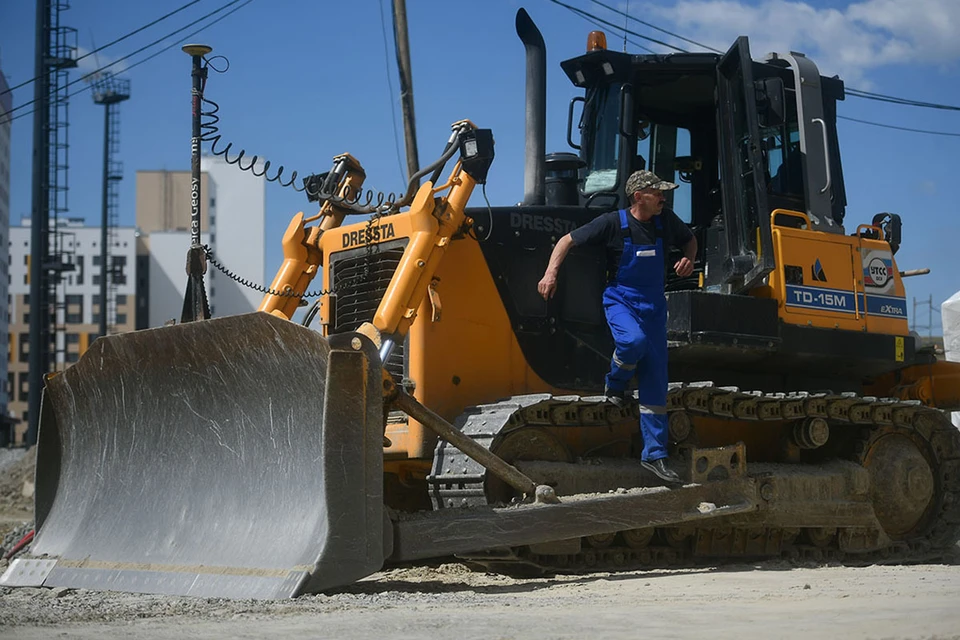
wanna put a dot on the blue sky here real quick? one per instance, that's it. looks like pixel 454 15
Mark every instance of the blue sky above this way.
pixel 309 80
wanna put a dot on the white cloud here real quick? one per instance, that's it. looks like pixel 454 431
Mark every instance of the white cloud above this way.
pixel 846 41
pixel 90 63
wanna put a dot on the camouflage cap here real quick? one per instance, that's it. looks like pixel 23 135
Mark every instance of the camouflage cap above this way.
pixel 640 180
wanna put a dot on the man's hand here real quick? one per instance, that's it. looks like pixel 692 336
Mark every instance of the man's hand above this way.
pixel 684 267
pixel 547 286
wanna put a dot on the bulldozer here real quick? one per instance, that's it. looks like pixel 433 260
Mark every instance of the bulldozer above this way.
pixel 431 404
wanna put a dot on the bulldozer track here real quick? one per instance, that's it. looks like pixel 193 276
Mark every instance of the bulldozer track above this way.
pixel 870 424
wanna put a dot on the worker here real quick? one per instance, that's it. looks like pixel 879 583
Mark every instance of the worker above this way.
pixel 634 302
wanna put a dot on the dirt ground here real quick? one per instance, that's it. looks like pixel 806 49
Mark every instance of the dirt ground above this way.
pixel 743 601
pixel 769 600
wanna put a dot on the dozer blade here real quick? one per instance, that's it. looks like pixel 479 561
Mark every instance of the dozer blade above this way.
pixel 239 457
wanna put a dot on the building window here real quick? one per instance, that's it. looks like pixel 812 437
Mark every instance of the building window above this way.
pixel 121 318
pixel 72 357
pixel 96 279
pixel 121 299
pixel 74 309
pixel 23 392
pixel 73 338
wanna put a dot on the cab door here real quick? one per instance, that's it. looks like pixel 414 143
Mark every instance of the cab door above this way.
pixel 748 251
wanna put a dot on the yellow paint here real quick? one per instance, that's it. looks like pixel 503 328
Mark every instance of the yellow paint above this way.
pixel 471 355
pixel 899 348
pixel 936 384
pixel 841 258
pixel 302 256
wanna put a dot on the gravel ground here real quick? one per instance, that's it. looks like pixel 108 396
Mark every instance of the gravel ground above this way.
pixel 769 600
pixel 746 601
pixel 9 456
pixel 17 467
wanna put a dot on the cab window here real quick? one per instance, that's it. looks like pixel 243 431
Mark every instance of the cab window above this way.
pixel 601 138
pixel 665 150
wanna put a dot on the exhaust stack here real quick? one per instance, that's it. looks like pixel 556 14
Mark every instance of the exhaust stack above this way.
pixel 534 171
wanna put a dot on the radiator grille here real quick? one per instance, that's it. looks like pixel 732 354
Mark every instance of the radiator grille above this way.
pixel 360 278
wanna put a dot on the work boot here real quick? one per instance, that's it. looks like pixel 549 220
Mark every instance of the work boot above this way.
pixel 619 398
pixel 660 469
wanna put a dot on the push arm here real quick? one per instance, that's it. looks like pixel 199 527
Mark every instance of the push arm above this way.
pixel 302 256
pixel 435 220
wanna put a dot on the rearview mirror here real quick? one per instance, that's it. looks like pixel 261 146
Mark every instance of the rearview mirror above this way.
pixel 771 103
pixel 627 124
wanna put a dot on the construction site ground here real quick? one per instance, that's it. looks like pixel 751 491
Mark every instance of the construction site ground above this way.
pixel 772 599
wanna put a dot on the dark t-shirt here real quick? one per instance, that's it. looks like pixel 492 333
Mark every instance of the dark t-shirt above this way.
pixel 605 230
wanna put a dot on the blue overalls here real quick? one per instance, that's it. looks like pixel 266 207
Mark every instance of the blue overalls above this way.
pixel 636 310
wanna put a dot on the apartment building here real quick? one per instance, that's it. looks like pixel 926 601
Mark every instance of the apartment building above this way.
pixel 76 305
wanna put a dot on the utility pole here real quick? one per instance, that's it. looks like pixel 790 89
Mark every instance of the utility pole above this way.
pixel 406 84
pixel 39 225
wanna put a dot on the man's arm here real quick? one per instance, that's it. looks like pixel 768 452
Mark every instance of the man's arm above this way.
pixel 684 266
pixel 679 230
pixel 548 284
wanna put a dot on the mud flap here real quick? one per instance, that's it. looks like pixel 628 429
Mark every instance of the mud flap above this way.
pixel 239 457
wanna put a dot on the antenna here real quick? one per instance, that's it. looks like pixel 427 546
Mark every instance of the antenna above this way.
pixel 96 58
pixel 626 16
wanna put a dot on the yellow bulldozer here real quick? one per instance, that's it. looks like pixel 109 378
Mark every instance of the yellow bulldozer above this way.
pixel 432 404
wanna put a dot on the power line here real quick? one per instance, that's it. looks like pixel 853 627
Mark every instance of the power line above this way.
pixel 655 27
pixel 586 14
pixel 890 126
pixel 393 110
pixel 110 44
pixel 636 44
pixel 118 61
pixel 856 93
pixel 156 53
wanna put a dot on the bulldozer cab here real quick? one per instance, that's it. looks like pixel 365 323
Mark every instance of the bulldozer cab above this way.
pixel 742 138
